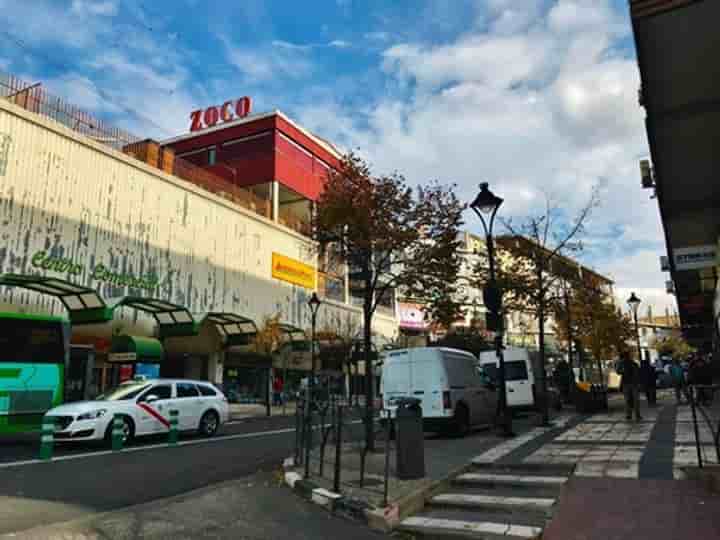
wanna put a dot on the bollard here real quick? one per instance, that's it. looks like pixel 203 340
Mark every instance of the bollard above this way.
pixel 47 437
pixel 117 432
pixel 173 433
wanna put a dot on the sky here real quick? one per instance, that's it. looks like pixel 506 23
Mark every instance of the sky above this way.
pixel 539 98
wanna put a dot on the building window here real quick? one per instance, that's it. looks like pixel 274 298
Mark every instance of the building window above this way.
pixel 212 154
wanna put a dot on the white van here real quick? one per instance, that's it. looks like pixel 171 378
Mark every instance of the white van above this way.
pixel 519 374
pixel 448 383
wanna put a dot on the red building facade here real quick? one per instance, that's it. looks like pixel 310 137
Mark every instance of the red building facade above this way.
pixel 270 155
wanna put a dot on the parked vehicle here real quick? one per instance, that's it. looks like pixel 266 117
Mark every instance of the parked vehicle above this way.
pixel 452 392
pixel 145 407
pixel 519 374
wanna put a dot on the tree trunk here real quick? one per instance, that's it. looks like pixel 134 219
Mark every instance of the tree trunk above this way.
pixel 545 415
pixel 369 383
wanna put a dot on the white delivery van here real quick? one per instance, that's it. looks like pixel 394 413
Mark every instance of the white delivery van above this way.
pixel 519 374
pixel 447 383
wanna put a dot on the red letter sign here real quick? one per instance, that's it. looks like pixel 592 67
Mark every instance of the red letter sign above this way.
pixel 223 113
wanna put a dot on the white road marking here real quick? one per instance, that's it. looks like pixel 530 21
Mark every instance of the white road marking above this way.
pixel 477 527
pixel 512 479
pixel 71 457
pixel 462 499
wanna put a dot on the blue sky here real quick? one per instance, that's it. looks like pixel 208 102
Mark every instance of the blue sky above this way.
pixel 537 97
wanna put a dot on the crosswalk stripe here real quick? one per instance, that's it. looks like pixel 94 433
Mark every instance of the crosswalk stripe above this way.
pixel 512 479
pixel 461 499
pixel 468 527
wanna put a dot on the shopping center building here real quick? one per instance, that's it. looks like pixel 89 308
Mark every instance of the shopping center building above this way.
pixel 166 256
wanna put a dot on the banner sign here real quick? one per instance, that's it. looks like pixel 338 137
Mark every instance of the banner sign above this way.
pixel 295 272
pixel 693 258
pixel 412 316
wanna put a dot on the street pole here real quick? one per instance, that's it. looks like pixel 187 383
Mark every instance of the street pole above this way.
pixel 314 303
pixel 637 336
pixel 488 203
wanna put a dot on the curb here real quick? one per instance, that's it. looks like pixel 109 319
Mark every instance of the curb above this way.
pixel 310 490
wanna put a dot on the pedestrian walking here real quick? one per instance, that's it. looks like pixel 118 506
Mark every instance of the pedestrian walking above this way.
pixel 648 378
pixel 278 391
pixel 677 375
pixel 630 385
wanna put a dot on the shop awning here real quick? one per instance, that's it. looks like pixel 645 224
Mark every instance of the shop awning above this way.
pixel 173 320
pixel 235 329
pixel 130 349
pixel 84 305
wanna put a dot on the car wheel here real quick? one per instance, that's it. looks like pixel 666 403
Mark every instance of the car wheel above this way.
pixel 128 431
pixel 462 421
pixel 209 424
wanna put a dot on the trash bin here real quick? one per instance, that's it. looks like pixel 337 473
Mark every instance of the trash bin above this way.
pixel 410 440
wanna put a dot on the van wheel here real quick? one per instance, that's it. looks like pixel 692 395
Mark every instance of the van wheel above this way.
pixel 462 421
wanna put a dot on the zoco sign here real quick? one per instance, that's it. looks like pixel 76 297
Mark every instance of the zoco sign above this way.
pixel 228 111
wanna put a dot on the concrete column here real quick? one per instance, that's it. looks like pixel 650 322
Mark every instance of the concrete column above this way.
pixel 275 196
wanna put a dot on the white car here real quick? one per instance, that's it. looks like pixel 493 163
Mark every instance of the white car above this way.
pixel 145 407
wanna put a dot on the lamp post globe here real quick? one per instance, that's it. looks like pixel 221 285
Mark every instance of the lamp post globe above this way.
pixel 634 304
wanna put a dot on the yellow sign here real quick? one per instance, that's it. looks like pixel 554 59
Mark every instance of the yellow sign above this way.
pixel 293 271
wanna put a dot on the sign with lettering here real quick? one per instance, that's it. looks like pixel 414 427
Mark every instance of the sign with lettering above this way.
pixel 292 271
pixel 100 272
pixel 694 258
pixel 228 111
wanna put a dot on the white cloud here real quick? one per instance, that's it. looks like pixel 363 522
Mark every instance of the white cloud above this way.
pixel 281 59
pixel 94 7
pixel 339 44
pixel 534 100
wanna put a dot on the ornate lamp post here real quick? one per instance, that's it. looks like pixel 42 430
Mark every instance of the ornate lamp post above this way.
pixel 486 205
pixel 634 303
pixel 314 304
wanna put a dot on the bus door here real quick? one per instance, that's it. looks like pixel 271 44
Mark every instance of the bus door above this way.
pixel 78 376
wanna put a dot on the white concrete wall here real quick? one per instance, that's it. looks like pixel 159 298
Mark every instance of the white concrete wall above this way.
pixel 83 202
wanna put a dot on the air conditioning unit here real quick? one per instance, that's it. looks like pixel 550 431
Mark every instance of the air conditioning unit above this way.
pixel 646 173
pixel 670 287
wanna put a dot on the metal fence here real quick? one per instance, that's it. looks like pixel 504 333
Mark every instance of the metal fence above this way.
pixel 330 443
pixel 34 98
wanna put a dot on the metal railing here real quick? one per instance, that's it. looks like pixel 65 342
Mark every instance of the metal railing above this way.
pixel 33 98
pixel 704 402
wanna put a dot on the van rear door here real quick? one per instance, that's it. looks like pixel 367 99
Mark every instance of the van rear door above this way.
pixel 396 378
pixel 428 381
pixel 517 382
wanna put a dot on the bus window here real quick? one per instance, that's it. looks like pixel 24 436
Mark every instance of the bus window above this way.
pixel 33 352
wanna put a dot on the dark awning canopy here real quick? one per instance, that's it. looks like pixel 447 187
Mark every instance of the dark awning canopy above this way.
pixel 235 329
pixel 84 305
pixel 173 320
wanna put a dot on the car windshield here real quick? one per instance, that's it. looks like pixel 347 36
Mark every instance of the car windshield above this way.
pixel 123 391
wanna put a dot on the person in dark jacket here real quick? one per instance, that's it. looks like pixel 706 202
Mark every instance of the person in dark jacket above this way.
pixel 648 379
pixel 630 385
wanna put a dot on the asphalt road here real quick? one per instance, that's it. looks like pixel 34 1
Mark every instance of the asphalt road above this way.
pixel 25 447
pixel 82 483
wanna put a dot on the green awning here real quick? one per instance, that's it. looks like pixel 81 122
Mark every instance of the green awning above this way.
pixel 135 349
pixel 173 320
pixel 84 305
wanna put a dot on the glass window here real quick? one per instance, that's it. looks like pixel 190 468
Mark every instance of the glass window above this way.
pixel 206 390
pixel 162 391
pixel 31 341
pixel 212 154
pixel 186 390
pixel 126 390
pixel 516 371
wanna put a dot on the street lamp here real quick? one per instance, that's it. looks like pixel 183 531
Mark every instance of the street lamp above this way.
pixel 486 205
pixel 634 303
pixel 314 304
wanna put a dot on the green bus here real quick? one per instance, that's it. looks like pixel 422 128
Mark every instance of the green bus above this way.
pixel 34 351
